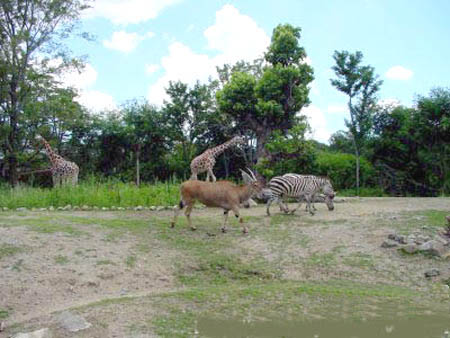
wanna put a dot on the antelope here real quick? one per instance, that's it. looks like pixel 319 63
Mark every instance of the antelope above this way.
pixel 221 194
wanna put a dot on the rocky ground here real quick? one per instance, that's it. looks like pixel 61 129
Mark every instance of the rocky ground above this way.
pixel 127 274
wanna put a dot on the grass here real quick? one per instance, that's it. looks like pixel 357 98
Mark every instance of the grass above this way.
pixel 9 250
pixel 90 193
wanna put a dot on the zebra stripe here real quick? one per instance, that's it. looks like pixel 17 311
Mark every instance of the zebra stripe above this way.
pixel 297 186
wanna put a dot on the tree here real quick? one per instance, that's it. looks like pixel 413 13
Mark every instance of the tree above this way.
pixel 263 101
pixel 361 85
pixel 31 33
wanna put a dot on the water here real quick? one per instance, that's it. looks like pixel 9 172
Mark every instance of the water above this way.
pixel 427 326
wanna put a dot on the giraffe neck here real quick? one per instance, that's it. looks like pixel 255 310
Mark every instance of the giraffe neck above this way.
pixel 222 147
pixel 50 153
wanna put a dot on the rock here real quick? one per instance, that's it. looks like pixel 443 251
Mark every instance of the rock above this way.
pixel 120 208
pixel 389 244
pixel 398 238
pixel 72 322
pixel 113 208
pixel 51 208
pixel 67 207
pixel 95 208
pixel 160 208
pixel 448 219
pixel 152 208
pixel 42 209
pixel 432 273
pixel 433 248
pixel 76 208
pixel 139 208
pixel 105 209
pixel 85 207
pixel 410 249
pixel 5 208
pixel 60 208
pixel 21 209
pixel 42 333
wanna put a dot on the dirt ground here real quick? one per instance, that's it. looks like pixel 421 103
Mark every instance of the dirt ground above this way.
pixel 84 261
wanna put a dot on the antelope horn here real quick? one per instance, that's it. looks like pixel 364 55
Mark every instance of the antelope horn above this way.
pixel 252 174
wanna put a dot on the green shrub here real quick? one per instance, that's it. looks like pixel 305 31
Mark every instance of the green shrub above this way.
pixel 341 168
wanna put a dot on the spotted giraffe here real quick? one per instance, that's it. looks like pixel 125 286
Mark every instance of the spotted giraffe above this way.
pixel 63 171
pixel 205 161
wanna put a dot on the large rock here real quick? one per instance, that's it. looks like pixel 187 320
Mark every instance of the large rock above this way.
pixel 42 333
pixel 434 248
pixel 72 322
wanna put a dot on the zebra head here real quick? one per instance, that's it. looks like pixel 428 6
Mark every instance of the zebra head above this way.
pixel 329 195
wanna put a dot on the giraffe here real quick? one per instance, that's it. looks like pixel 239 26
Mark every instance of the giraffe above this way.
pixel 63 171
pixel 206 160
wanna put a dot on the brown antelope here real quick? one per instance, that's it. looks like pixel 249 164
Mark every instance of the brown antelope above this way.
pixel 221 194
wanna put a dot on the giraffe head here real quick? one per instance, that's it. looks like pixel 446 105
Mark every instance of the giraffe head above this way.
pixel 238 140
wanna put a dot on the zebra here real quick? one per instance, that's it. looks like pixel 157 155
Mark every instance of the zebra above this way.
pixel 298 186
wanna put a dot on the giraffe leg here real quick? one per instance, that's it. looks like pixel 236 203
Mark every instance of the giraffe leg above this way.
pixel 210 172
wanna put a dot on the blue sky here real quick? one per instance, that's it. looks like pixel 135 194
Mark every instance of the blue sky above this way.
pixel 142 44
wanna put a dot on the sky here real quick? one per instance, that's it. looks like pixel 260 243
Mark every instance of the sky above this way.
pixel 141 45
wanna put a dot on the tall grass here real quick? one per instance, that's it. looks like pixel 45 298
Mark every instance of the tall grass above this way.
pixel 91 193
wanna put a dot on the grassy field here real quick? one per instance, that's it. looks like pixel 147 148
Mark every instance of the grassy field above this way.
pixel 131 275
pixel 107 194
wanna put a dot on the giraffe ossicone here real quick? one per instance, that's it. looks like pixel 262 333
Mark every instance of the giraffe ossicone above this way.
pixel 63 171
pixel 205 162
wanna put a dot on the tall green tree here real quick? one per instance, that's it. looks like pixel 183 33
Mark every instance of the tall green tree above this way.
pixel 361 85
pixel 261 102
pixel 31 33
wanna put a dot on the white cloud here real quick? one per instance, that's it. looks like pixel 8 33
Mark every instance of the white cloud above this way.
pixel 82 81
pixel 339 109
pixel 125 42
pixel 150 69
pixel 389 103
pixel 128 11
pixel 96 101
pixel 399 73
pixel 318 123
pixel 235 36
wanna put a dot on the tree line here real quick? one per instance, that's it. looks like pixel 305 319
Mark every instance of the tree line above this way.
pixel 395 149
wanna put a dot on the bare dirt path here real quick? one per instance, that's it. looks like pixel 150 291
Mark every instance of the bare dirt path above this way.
pixel 53 261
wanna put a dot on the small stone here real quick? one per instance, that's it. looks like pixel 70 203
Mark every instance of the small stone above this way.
pixel 51 208
pixel 21 209
pixel 72 322
pixel 42 333
pixel 105 209
pixel 5 208
pixel 120 208
pixel 410 248
pixel 85 207
pixel 113 208
pixel 42 209
pixel 432 273
pixel 60 208
pixel 389 244
pixel 76 208
pixel 433 248
pixel 139 208
pixel 152 208
pixel 160 208
pixel 67 207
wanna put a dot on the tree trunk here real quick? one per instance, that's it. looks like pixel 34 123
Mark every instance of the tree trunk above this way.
pixel 261 139
pixel 138 167
pixel 357 173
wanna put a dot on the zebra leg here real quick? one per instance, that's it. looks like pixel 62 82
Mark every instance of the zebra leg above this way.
pixel 299 200
pixel 308 201
pixel 269 202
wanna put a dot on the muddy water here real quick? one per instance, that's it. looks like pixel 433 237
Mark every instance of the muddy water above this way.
pixel 421 327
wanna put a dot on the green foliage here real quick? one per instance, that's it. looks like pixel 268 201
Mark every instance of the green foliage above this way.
pixel 288 153
pixel 340 168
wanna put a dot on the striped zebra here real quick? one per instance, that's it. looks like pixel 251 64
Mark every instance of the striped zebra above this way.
pixel 299 186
